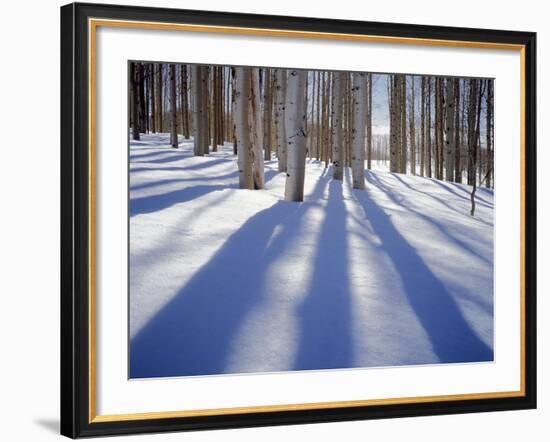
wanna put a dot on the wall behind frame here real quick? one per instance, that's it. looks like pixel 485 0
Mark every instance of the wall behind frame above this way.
pixel 29 228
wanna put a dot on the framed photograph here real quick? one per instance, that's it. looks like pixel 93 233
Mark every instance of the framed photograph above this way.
pixel 275 220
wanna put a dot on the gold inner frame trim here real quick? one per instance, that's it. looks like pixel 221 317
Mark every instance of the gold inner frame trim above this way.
pixel 93 24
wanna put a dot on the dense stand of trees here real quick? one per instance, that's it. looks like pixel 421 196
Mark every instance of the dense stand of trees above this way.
pixel 435 127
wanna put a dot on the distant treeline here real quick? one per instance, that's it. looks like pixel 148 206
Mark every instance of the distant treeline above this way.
pixel 438 127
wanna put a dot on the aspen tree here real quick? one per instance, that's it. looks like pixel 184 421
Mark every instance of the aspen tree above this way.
pixel 199 115
pixel 412 129
pixel 359 87
pixel 437 124
pixel 147 93
pixel 295 120
pixel 337 139
pixel 449 128
pixel 429 129
pixel 457 159
pixel 403 120
pixel 489 133
pixel 244 150
pixel 268 107
pixel 280 87
pixel 257 125
pixel 472 148
pixel 184 102
pixel 318 118
pixel 233 106
pixel 160 124
pixel 135 101
pixel 153 109
pixel 394 126
pixel 369 122
pixel 205 80
pixel 142 112
pixel 422 125
pixel 173 108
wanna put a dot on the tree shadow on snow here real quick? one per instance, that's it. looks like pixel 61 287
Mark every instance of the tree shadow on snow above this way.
pixel 452 338
pixel 440 201
pixel 466 195
pixel 375 181
pixel 325 315
pixel 154 203
pixel 192 334
pixel 183 167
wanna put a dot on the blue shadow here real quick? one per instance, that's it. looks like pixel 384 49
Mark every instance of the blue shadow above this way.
pixel 325 340
pixel 452 338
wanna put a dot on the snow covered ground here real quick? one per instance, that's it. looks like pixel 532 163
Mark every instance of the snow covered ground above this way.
pixel 224 280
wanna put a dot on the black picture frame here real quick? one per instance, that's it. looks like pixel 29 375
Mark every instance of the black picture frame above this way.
pixel 75 221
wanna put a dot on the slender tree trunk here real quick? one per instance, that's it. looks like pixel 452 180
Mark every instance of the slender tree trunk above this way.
pixel 205 75
pixel 258 134
pixel 280 87
pixel 244 150
pixel 173 108
pixel 325 118
pixel 403 120
pixel 422 125
pixel 160 124
pixel 233 109
pixel 135 101
pixel 359 88
pixel 458 169
pixel 318 118
pixel 412 129
pixel 268 106
pixel 199 115
pixel 147 84
pixel 337 139
pixel 295 119
pixel 153 108
pixel 142 112
pixel 472 148
pixel 489 133
pixel 184 102
pixel 438 120
pixel 476 136
pixel 369 122
pixel 450 129
pixel 394 124
pixel 429 131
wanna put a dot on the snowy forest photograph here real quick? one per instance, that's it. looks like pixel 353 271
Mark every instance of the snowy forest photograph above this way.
pixel 286 219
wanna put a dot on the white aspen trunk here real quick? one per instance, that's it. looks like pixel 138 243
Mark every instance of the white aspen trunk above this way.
pixel 422 125
pixel 280 88
pixel 359 87
pixel 458 169
pixel 403 110
pixel 412 129
pixel 489 132
pixel 295 120
pixel 268 101
pixel 257 133
pixel 369 122
pixel 394 126
pixel 450 130
pixel 337 141
pixel 244 151
pixel 198 110
pixel 205 75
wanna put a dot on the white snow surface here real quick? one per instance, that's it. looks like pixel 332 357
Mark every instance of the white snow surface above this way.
pixel 225 280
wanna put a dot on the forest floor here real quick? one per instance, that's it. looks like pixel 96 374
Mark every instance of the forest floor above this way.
pixel 224 280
